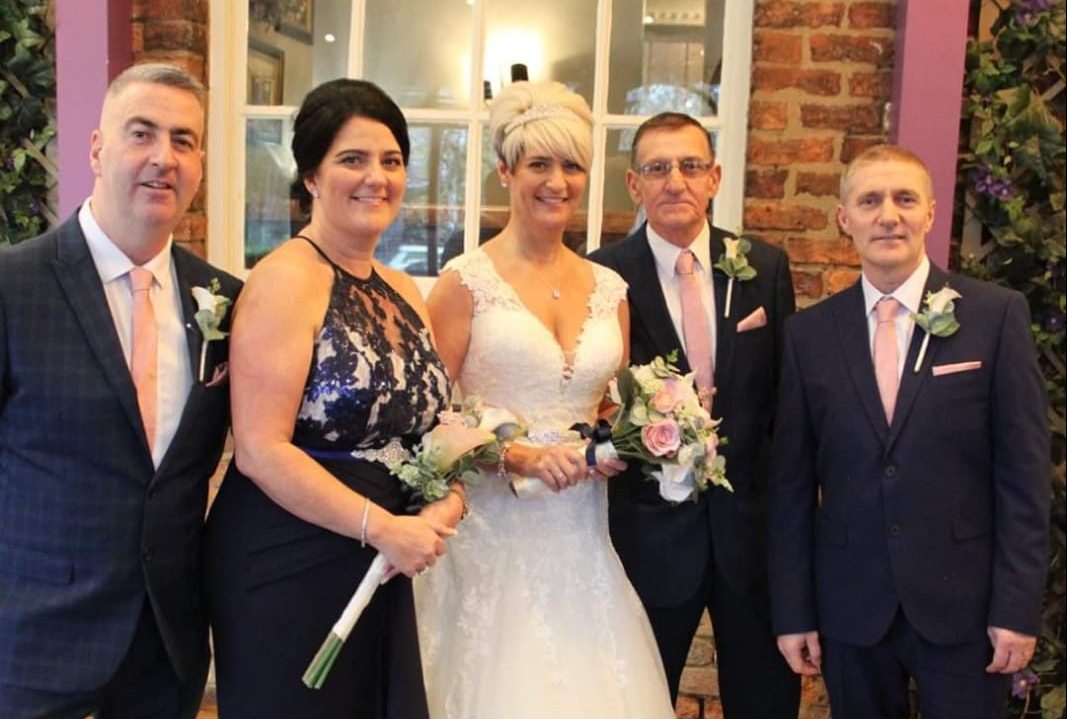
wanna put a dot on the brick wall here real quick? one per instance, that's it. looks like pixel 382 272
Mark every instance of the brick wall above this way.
pixel 821 82
pixel 175 31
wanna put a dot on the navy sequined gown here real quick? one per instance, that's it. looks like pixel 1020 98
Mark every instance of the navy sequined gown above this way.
pixel 277 583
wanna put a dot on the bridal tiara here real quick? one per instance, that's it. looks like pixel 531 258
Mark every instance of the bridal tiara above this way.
pixel 539 111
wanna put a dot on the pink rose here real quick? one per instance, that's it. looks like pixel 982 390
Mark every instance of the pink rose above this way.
pixel 661 438
pixel 668 398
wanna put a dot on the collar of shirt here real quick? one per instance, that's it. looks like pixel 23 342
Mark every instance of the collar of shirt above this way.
pixel 111 262
pixel 666 253
pixel 909 294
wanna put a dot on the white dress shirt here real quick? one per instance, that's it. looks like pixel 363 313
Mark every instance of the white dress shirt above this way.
pixel 175 376
pixel 666 256
pixel 910 297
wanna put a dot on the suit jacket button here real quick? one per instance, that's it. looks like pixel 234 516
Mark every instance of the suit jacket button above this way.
pixel 890 470
pixel 894 530
pixel 146 554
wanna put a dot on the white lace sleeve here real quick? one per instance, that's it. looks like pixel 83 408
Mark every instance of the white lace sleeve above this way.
pixel 610 291
pixel 477 274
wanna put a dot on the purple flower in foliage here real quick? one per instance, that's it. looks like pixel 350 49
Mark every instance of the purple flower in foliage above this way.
pixel 1026 11
pixel 1022 682
pixel 986 184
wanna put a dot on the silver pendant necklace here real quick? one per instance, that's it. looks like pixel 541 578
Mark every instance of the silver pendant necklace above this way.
pixel 555 291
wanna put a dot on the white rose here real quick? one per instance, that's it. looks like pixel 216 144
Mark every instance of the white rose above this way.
pixel 205 300
pixel 675 481
pixel 937 301
pixel 732 247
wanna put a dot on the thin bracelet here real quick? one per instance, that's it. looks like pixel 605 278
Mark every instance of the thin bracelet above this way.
pixel 501 470
pixel 462 498
pixel 363 523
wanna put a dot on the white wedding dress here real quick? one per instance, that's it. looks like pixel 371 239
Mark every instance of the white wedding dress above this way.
pixel 530 615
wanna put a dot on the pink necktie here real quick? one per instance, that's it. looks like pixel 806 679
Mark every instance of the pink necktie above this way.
pixel 143 350
pixel 695 327
pixel 886 354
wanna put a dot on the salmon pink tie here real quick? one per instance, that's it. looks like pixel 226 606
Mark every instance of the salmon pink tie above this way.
pixel 886 354
pixel 143 349
pixel 695 327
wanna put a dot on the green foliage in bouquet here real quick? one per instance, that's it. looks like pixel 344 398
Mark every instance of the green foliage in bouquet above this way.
pixel 1014 174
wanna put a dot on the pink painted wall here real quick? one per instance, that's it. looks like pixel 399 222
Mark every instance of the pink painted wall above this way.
pixel 927 98
pixel 93 45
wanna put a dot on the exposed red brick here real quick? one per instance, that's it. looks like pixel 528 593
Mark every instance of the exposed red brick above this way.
pixel 191 228
pixel 766 184
pixel 785 152
pixel 781 14
pixel 687 707
pixel 812 251
pixel 840 278
pixel 818 184
pixel 192 10
pixel 865 119
pixel 816 82
pixel 137 37
pixel 873 49
pixel 807 283
pixel 878 85
pixel 770 46
pixel 175 35
pixel 852 146
pixel 783 216
pixel 764 115
pixel 864 15
pixel 191 61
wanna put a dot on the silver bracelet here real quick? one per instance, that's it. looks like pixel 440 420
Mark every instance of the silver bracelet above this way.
pixel 363 523
pixel 501 469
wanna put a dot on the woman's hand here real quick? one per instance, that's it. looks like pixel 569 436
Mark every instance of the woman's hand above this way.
pixel 447 510
pixel 557 466
pixel 411 544
pixel 607 469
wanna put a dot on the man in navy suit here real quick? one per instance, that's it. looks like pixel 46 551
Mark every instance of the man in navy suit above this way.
pixel 102 503
pixel 909 493
pixel 708 553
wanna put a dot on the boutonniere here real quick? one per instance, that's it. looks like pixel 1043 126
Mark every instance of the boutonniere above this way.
pixel 211 309
pixel 937 318
pixel 734 264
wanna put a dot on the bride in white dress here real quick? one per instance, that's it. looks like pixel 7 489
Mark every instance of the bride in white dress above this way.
pixel 530 615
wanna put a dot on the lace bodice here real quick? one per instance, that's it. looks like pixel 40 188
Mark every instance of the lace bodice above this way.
pixel 514 361
pixel 374 373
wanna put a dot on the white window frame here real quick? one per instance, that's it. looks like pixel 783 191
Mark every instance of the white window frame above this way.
pixel 228 113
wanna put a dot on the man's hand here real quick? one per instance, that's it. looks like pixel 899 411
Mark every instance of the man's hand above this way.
pixel 1011 651
pixel 802 652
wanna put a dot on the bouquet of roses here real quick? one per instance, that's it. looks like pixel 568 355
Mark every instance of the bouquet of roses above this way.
pixel 660 421
pixel 448 453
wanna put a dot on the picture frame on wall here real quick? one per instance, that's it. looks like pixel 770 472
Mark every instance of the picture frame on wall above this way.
pixel 266 74
pixel 297 23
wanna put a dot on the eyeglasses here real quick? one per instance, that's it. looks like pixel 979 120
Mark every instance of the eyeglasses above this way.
pixel 692 167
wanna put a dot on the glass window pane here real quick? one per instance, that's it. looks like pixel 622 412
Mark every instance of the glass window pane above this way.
pixel 292 51
pixel 269 170
pixel 554 39
pixel 429 230
pixel 419 52
pixel 679 65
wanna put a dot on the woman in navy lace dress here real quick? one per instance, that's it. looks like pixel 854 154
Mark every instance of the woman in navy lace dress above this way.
pixel 333 372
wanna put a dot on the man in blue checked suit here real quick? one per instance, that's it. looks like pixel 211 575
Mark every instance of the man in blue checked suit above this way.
pixel 910 479
pixel 113 414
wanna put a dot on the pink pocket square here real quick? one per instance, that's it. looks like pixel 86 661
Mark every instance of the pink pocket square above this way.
pixel 955 367
pixel 754 321
pixel 221 373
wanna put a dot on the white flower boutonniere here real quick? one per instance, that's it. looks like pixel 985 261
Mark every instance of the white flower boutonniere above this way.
pixel 937 318
pixel 211 309
pixel 734 264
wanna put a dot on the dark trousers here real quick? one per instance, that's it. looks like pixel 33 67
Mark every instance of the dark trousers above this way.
pixel 872 682
pixel 754 680
pixel 143 687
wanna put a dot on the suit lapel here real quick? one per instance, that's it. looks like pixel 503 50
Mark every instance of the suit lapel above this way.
pixel 910 380
pixel 78 277
pixel 639 269
pixel 725 327
pixel 851 320
pixel 188 277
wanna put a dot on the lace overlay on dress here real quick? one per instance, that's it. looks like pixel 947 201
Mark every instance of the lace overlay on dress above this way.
pixel 530 614
pixel 374 373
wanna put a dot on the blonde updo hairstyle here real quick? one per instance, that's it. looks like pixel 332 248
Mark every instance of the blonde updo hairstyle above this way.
pixel 541 117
